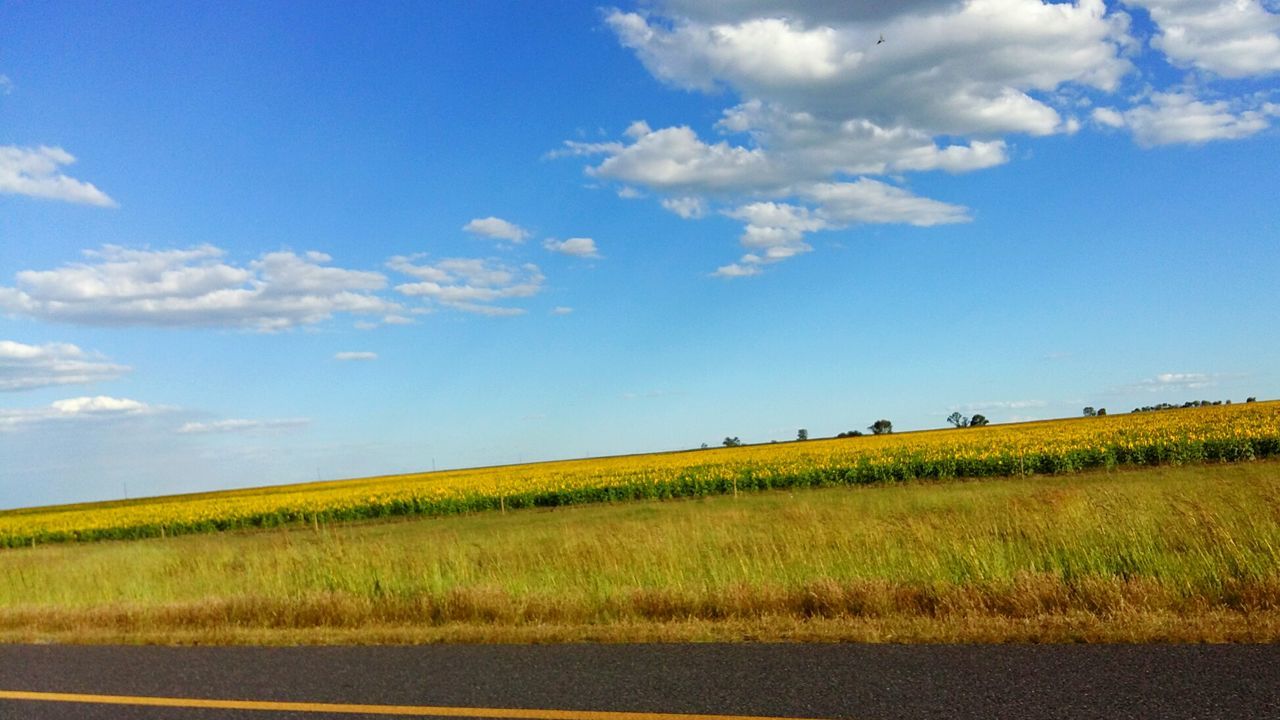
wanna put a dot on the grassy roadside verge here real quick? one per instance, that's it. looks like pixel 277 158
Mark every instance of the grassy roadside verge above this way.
pixel 1188 553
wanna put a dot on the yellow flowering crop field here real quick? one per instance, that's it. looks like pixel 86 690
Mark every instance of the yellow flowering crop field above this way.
pixel 1223 433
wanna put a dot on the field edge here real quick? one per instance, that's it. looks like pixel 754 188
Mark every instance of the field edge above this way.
pixel 1074 628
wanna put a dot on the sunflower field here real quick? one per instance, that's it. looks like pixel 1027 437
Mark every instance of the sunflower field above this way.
pixel 1225 433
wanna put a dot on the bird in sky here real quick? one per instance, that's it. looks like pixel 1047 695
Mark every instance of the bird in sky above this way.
pixel 881 39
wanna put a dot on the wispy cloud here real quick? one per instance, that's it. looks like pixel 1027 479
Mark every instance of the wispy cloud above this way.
pixel 1182 118
pixel 24 367
pixel 196 287
pixel 239 425
pixel 100 408
pixel 469 284
pixel 999 405
pixel 351 356
pixel 1173 381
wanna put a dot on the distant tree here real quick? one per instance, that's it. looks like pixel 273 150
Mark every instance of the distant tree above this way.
pixel 704 446
pixel 1090 412
pixel 1251 399
pixel 732 442
pixel 850 434
pixel 881 427
pixel 1101 412
pixel 978 421
pixel 958 420
pixel 802 434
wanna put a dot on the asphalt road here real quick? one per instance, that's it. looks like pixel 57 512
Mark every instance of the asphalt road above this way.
pixel 812 681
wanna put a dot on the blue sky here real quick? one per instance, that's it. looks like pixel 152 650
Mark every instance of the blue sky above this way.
pixel 274 242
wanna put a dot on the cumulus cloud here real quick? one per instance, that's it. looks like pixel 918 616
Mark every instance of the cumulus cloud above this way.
pixel 578 247
pixel 355 356
pixel 239 425
pixel 820 105
pixel 954 68
pixel 497 228
pixel 1231 38
pixel 469 284
pixel 24 367
pixel 674 159
pixel 776 231
pixel 1179 117
pixel 688 207
pixel 36 172
pixel 78 409
pixel 748 266
pixel 118 286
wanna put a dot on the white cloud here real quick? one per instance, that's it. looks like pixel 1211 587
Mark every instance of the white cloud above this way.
pixel 578 247
pixel 821 104
pixel 23 367
pixel 736 270
pixel 561 310
pixel 195 287
pixel 497 228
pixel 1231 38
pixel 98 405
pixel 6 85
pixel 1170 382
pixel 776 231
pixel 238 425
pixel 675 159
pixel 469 284
pixel 1179 117
pixel 953 68
pixel 1109 117
pixel 35 172
pixel 688 207
pixel 355 356
pixel 1175 381
pixel 872 201
pixel 773 232
pixel 98 408
pixel 1000 405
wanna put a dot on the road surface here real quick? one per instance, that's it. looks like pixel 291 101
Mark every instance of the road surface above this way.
pixel 609 682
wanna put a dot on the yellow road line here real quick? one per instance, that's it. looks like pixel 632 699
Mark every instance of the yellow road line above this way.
pixel 341 708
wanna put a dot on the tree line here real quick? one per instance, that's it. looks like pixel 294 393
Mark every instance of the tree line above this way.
pixel 885 427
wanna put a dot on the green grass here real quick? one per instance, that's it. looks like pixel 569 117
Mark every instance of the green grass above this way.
pixel 1178 553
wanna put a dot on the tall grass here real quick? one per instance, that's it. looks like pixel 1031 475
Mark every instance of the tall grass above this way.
pixel 1187 553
